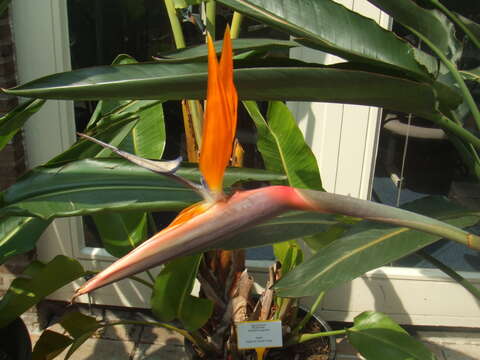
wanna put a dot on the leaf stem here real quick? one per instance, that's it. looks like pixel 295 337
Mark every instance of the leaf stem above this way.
pixel 306 337
pixel 210 9
pixel 175 24
pixel 455 73
pixel 309 314
pixel 447 124
pixel 456 20
pixel 236 25
pixel 472 289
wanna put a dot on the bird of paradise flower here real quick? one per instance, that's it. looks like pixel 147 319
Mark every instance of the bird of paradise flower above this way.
pixel 217 216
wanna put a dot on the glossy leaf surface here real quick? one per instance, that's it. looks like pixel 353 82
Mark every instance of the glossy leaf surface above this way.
pixel 431 23
pixel 199 52
pixel 121 232
pixel 378 337
pixel 172 299
pixel 38 281
pixel 283 146
pixel 335 29
pixel 13 121
pixel 367 246
pixel 94 185
pixel 179 81
pixel 19 235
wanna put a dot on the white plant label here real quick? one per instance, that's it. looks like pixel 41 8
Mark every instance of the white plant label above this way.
pixel 259 334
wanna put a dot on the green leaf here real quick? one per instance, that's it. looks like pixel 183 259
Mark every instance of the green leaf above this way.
pixel 471 25
pixel 121 232
pixel 49 345
pixel 13 121
pixel 329 26
pixel 80 327
pixel 431 23
pixel 200 52
pixel 289 254
pixel 305 83
pixel 289 226
pixel 284 149
pixel 147 138
pixel 111 106
pixel 366 246
pixel 19 235
pixel 39 281
pixel 172 299
pixel 283 146
pixel 93 185
pixel 377 337
pixel 318 241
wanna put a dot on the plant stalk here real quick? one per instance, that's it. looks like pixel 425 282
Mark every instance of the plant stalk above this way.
pixel 472 289
pixel 210 9
pixel 310 313
pixel 236 25
pixel 306 337
pixel 457 21
pixel 455 73
pixel 447 124
pixel 175 24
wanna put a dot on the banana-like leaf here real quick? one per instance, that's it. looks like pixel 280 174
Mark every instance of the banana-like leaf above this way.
pixel 121 232
pixel 12 122
pixel 329 26
pixel 180 81
pixel 19 235
pixel 147 139
pixel 37 281
pixel 199 52
pixel 284 149
pixel 172 299
pixel 94 185
pixel 283 146
pixel 378 337
pixel 367 246
pixel 50 344
pixel 431 23
pixel 80 327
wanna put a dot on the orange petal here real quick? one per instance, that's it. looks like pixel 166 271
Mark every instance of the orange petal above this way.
pixel 188 213
pixel 220 120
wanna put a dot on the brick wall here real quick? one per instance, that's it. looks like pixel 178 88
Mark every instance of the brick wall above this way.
pixel 12 157
pixel 12 162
